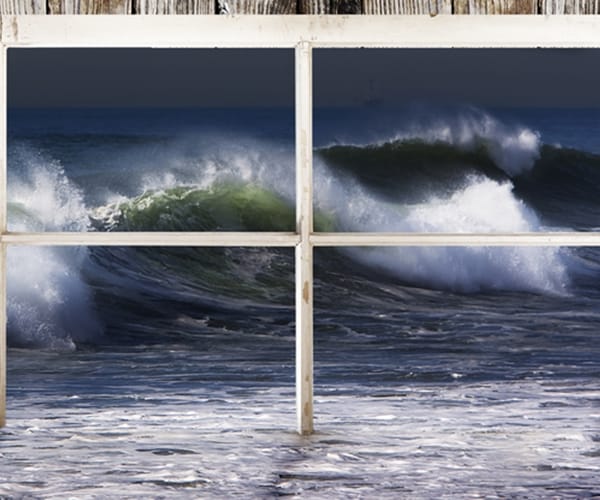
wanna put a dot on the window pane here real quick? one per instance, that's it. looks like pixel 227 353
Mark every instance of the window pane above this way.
pixel 457 140
pixel 130 359
pixel 151 140
pixel 454 363
pixel 65 297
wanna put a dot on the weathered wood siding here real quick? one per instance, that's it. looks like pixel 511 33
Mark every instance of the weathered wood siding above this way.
pixel 262 6
pixel 377 7
pixel 496 7
pixel 384 7
pixel 87 7
pixel 172 6
pixel 22 6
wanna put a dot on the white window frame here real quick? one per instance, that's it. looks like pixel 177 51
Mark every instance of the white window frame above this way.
pixel 304 33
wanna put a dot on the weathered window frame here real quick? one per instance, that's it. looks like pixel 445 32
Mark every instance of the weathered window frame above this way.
pixel 302 33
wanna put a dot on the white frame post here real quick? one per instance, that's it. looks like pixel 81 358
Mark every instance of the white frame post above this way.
pixel 3 247
pixel 304 250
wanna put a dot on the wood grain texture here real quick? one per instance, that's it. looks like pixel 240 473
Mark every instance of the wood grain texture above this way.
pixel 18 7
pixel 55 6
pixel 475 7
pixel 569 6
pixel 386 7
pixel 90 7
pixel 586 7
pixel 376 7
pixel 304 251
pixel 262 6
pixel 174 7
pixel 345 7
pixel 460 7
pixel 314 6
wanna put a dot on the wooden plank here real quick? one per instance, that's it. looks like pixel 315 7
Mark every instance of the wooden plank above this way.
pixel 167 7
pixel 569 7
pixel 205 239
pixel 314 6
pixel 304 251
pixel 454 239
pixel 90 6
pixel 440 7
pixel 394 7
pixel 552 6
pixel 589 7
pixel 381 7
pixel 476 7
pixel 55 6
pixel 460 7
pixel 262 6
pixel 345 7
pixel 19 7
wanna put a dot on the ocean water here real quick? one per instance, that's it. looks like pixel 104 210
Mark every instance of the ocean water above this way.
pixel 169 372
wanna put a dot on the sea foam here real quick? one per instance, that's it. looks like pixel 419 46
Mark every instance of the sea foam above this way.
pixel 481 205
pixel 49 304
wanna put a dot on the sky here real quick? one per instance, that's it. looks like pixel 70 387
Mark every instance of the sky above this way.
pixel 265 77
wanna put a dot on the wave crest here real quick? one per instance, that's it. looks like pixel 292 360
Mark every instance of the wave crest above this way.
pixel 513 148
pixel 41 196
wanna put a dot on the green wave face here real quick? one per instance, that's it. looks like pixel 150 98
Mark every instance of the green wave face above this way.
pixel 220 208
pixel 224 207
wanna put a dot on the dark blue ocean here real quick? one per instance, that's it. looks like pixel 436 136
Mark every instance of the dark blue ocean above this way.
pixel 169 372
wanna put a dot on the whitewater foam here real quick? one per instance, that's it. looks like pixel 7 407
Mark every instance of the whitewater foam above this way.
pixel 204 161
pixel 482 205
pixel 49 304
pixel 51 200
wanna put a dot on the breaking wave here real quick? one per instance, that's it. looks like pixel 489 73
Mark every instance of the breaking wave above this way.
pixel 468 175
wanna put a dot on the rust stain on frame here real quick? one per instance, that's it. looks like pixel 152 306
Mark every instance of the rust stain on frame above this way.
pixel 306 292
pixel 308 409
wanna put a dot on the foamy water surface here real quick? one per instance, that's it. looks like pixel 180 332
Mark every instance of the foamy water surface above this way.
pixel 122 424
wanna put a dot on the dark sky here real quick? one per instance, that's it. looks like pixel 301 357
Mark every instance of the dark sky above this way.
pixel 254 77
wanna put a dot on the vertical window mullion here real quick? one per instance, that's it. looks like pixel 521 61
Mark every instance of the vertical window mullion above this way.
pixel 3 219
pixel 304 250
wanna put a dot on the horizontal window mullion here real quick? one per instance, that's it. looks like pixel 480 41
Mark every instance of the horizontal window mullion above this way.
pixel 167 239
pixel 455 239
pixel 290 239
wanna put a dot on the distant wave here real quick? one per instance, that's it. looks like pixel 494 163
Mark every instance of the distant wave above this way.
pixel 468 135
pixel 411 169
pixel 513 148
pixel 558 189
